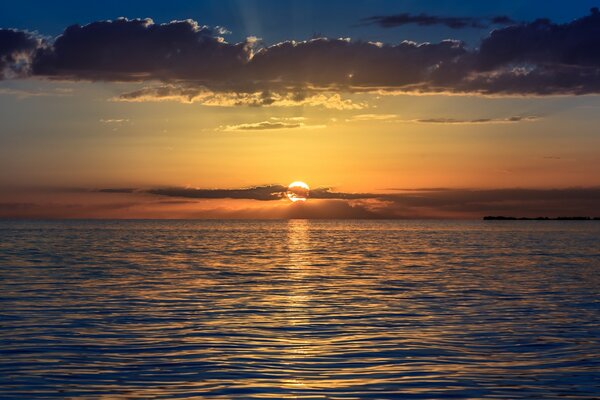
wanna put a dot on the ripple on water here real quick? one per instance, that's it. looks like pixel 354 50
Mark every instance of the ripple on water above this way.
pixel 287 309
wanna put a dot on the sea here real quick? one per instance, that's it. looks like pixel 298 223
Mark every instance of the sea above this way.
pixel 299 309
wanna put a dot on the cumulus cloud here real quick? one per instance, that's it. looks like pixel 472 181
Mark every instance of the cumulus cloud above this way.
pixel 16 51
pixel 540 57
pixel 195 63
pixel 140 49
pixel 391 21
pixel 343 63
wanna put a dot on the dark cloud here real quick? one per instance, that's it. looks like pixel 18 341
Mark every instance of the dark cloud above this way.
pixel 544 42
pixel 323 204
pixel 541 58
pixel 327 193
pixel 267 192
pixel 56 210
pixel 195 64
pixel 340 62
pixel 456 121
pixel 502 20
pixel 417 203
pixel 16 50
pixel 330 209
pixel 139 49
pixel 391 21
pixel 476 203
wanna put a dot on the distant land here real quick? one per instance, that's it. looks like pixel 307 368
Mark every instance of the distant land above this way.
pixel 503 218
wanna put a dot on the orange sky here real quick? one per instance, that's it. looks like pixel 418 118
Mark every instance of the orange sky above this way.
pixel 267 114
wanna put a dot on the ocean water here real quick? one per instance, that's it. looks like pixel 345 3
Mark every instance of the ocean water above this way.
pixel 300 309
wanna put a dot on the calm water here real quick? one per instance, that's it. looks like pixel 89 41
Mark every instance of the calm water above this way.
pixel 300 309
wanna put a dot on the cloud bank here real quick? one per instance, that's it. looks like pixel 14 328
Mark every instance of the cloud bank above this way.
pixel 195 63
pixel 408 203
pixel 268 201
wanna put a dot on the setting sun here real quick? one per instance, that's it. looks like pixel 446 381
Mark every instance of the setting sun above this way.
pixel 298 191
pixel 152 245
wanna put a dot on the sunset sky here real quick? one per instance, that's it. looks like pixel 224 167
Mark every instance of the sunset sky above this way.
pixel 387 109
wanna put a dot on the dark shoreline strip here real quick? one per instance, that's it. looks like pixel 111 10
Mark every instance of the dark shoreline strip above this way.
pixel 503 218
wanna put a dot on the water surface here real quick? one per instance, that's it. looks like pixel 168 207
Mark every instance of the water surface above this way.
pixel 300 309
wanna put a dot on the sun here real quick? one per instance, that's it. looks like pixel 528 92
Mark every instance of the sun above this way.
pixel 298 191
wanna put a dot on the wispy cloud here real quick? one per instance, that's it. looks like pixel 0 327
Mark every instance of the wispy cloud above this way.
pixel 266 98
pixel 443 120
pixel 26 93
pixel 272 124
pixel 391 21
pixel 114 120
pixel 372 117
pixel 455 121
pixel 261 126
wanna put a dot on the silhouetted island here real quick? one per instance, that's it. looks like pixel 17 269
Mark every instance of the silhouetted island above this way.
pixel 503 218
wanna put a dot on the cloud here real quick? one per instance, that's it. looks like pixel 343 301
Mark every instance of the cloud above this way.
pixel 266 192
pixel 282 98
pixel 391 21
pixel 513 202
pixel 268 125
pixel 441 120
pixel 139 49
pixel 539 58
pixel 330 209
pixel 544 42
pixel 341 63
pixel 194 63
pixel 268 201
pixel 264 125
pixel 401 203
pixel 117 190
pixel 16 51
pixel 372 117
pixel 267 98
pixel 114 120
pixel 451 121
pixel 27 93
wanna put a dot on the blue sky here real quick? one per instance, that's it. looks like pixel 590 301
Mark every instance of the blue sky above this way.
pixel 276 20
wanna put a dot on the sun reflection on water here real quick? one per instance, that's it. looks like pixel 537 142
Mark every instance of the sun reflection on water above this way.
pixel 291 309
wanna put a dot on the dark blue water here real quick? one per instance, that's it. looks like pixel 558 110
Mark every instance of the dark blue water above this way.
pixel 300 309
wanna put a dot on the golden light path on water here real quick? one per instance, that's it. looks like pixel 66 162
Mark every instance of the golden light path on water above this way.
pixel 298 309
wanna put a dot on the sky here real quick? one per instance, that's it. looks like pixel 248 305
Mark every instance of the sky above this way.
pixel 387 109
